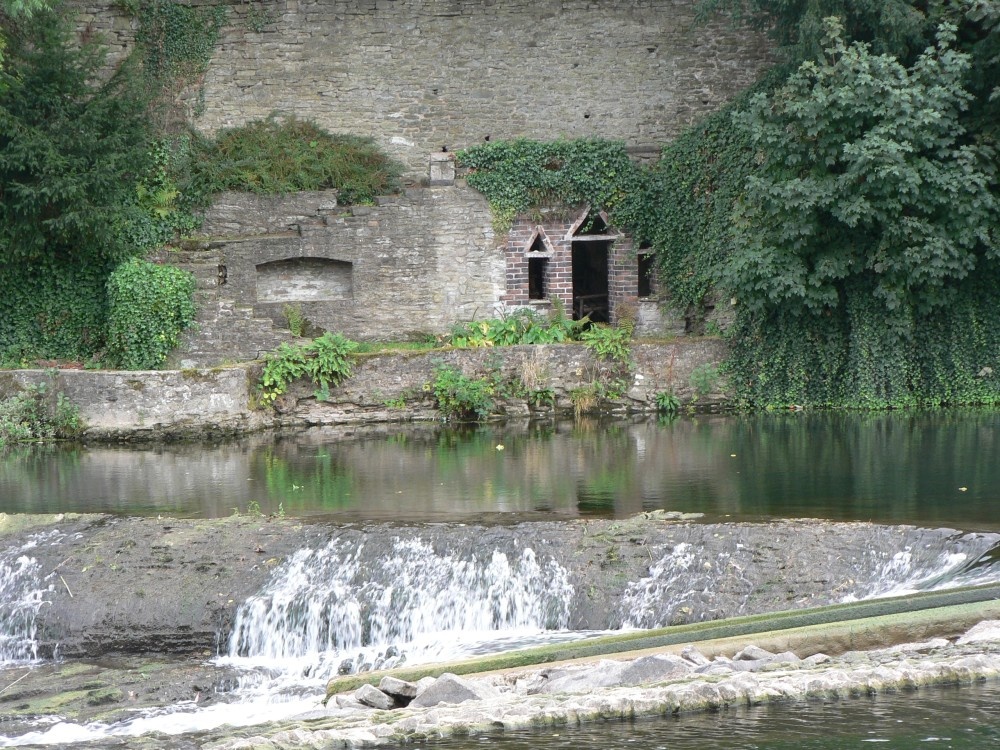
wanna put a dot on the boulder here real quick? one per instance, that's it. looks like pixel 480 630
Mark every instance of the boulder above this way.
pixel 449 688
pixel 401 690
pixel 657 668
pixel 370 695
pixel 987 630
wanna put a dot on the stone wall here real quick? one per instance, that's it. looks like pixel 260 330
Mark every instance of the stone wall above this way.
pixel 419 75
pixel 383 388
pixel 416 263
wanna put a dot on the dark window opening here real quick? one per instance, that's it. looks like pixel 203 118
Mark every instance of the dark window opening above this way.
pixel 646 275
pixel 590 281
pixel 536 277
pixel 537 246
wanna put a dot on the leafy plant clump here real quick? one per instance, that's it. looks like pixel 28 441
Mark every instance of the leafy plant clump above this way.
pixel 37 414
pixel 461 397
pixel 277 156
pixel 325 361
pixel 150 306
pixel 519 327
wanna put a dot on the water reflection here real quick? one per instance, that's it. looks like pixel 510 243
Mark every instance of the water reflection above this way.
pixel 931 468
pixel 963 718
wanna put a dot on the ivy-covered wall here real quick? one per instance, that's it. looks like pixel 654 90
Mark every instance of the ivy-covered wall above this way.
pixel 419 75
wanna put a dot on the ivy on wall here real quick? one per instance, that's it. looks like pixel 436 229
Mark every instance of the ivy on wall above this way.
pixel 521 174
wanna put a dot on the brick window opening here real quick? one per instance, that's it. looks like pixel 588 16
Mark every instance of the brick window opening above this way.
pixel 646 275
pixel 536 277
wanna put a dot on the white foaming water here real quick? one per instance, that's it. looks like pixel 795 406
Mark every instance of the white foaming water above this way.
pixel 325 606
pixel 335 600
pixel 22 594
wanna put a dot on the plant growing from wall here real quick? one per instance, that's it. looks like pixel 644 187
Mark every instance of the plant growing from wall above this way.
pixel 325 361
pixel 37 413
pixel 522 174
pixel 461 397
pixel 286 155
pixel 149 307
pixel 518 327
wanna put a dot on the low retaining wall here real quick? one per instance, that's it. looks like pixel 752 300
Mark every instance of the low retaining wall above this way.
pixel 383 388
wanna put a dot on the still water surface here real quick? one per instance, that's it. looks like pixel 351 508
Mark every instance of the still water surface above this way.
pixel 963 718
pixel 938 468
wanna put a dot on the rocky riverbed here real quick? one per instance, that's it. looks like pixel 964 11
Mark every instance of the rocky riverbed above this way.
pixel 647 686
pixel 126 613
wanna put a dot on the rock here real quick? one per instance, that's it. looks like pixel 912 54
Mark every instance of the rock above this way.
pixel 695 656
pixel 401 690
pixel 370 695
pixel 815 659
pixel 752 653
pixel 656 668
pixel 605 673
pixel 350 702
pixel 449 688
pixel 987 630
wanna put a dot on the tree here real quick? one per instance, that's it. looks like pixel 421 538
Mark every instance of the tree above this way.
pixel 869 186
pixel 71 148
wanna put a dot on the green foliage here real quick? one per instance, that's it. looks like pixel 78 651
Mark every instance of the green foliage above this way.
pixel 704 379
pixel 892 26
pixel 149 307
pixel 610 343
pixel 296 320
pixel 522 326
pixel 521 174
pixel 36 414
pixel 325 361
pixel 71 150
pixel 461 397
pixel 667 402
pixel 866 185
pixel 275 156
pixel 176 41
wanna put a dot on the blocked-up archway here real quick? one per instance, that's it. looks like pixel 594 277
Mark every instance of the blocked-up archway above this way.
pixel 304 280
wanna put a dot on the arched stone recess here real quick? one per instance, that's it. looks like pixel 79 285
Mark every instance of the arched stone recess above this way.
pixel 304 279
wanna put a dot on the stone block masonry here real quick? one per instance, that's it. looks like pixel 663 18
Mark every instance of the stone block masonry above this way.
pixel 416 263
pixel 152 405
pixel 419 75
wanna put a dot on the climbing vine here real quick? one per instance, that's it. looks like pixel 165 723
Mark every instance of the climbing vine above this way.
pixel 518 175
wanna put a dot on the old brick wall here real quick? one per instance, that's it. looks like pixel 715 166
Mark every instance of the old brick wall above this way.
pixel 421 74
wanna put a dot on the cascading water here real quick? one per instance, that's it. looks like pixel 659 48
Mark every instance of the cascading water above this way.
pixel 379 606
pixel 686 580
pixel 22 594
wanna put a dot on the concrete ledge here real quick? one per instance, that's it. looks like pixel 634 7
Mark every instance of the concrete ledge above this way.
pixel 832 629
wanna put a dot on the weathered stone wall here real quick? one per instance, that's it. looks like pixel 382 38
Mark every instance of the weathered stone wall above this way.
pixel 419 75
pixel 383 388
pixel 415 263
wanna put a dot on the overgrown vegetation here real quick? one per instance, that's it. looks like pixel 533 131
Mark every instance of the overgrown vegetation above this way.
pixel 37 413
pixel 149 307
pixel 462 397
pixel 276 156
pixel 96 171
pixel 521 326
pixel 325 361
pixel 848 204
pixel 519 175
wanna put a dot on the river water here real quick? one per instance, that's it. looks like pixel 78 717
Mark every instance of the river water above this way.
pixel 934 469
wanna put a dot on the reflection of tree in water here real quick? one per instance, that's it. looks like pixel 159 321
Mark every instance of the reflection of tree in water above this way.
pixel 307 477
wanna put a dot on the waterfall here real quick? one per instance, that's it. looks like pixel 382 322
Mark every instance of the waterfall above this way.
pixel 350 598
pixel 688 582
pixel 22 594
